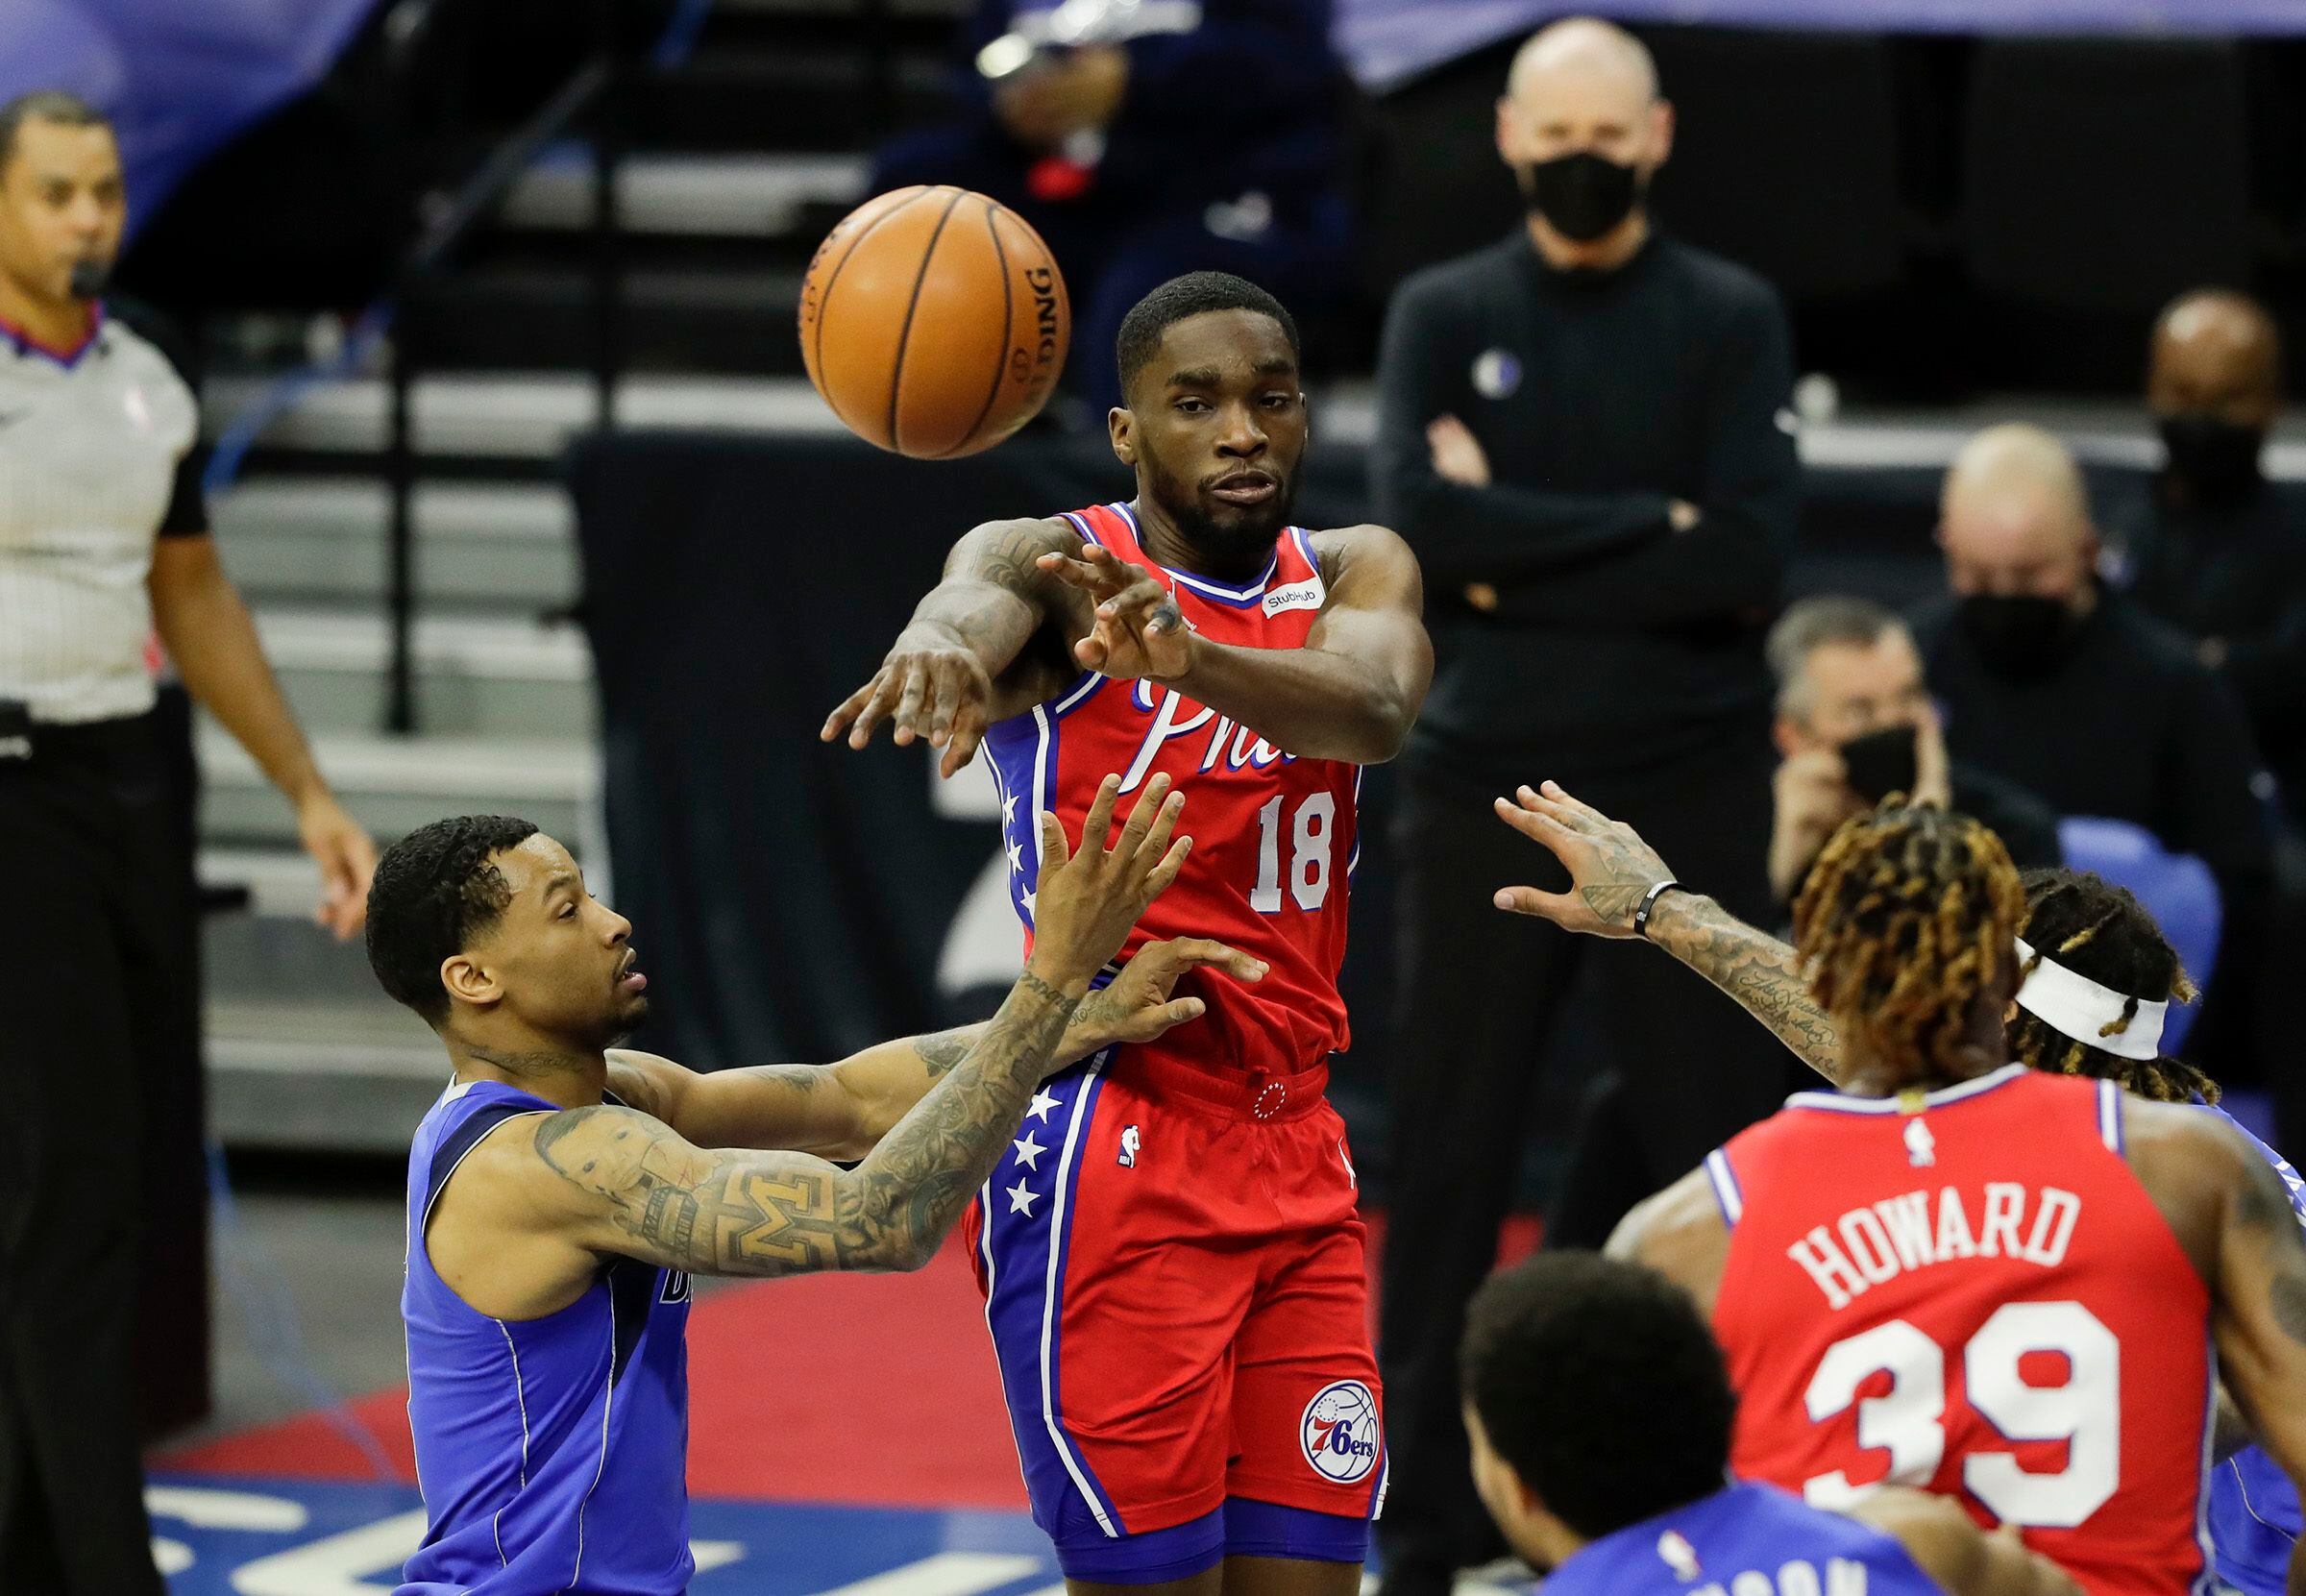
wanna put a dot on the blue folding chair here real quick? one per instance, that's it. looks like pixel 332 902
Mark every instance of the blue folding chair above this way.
pixel 2176 888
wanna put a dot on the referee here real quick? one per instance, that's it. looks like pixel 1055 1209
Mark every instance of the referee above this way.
pixel 102 540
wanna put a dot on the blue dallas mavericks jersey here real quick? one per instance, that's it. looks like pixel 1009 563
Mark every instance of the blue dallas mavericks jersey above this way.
pixel 2254 1517
pixel 552 1453
pixel 1747 1540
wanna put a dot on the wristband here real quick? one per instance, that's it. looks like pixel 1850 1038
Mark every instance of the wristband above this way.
pixel 1648 902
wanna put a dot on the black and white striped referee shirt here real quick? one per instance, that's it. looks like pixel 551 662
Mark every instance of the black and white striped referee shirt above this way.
pixel 97 458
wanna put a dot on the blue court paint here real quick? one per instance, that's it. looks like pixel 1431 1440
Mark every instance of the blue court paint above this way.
pixel 233 1535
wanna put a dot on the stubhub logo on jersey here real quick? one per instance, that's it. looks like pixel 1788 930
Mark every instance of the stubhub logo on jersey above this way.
pixel 1175 716
pixel 1339 1432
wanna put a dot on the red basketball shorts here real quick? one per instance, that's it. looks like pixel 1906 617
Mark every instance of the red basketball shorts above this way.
pixel 1174 1278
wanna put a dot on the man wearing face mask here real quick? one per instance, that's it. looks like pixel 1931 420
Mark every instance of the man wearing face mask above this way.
pixel 1854 724
pixel 2211 548
pixel 2067 687
pixel 1582 432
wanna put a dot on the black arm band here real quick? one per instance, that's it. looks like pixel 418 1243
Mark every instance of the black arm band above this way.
pixel 1648 902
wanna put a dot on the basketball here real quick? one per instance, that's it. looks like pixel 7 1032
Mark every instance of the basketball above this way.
pixel 934 322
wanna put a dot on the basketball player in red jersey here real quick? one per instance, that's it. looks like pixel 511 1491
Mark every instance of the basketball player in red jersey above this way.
pixel 2009 1287
pixel 1172 1261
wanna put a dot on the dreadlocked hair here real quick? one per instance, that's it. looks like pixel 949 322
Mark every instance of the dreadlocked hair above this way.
pixel 2097 929
pixel 1906 917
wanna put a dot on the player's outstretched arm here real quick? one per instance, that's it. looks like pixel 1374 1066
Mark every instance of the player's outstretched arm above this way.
pixel 1613 871
pixel 1961 1558
pixel 841 1111
pixel 631 1184
pixel 964 660
pixel 1351 693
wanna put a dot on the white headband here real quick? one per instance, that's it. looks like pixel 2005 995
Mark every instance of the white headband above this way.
pixel 2074 1005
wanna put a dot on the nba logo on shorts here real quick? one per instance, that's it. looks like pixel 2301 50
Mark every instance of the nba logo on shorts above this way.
pixel 1341 1432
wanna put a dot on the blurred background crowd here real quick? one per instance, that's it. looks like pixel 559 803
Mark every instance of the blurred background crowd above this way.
pixel 1791 402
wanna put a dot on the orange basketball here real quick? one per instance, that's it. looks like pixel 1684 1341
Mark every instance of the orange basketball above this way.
pixel 934 322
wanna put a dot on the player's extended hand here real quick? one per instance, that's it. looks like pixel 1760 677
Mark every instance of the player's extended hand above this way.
pixel 1139 632
pixel 1086 902
pixel 931 685
pixel 1611 868
pixel 1137 1006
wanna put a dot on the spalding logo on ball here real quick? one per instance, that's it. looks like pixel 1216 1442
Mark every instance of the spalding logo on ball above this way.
pixel 1341 1432
pixel 934 322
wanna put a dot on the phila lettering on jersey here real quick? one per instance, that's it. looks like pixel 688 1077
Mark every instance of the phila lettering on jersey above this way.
pixel 1274 836
pixel 1990 1306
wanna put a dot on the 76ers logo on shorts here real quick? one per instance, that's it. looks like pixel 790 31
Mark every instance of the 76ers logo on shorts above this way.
pixel 1341 1432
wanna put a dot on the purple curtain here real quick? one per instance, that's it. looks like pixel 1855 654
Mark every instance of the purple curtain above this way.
pixel 1387 40
pixel 178 77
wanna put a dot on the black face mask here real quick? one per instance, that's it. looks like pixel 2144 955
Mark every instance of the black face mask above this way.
pixel 1582 194
pixel 1882 762
pixel 2019 636
pixel 2215 459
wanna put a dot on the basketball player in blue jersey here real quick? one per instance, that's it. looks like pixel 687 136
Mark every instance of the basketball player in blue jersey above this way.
pixel 2097 977
pixel 1599 1415
pixel 562 1192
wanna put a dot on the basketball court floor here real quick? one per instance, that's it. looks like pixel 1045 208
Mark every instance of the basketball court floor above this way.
pixel 847 1435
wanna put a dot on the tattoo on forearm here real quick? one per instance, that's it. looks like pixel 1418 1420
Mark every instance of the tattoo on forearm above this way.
pixel 763 1213
pixel 939 1053
pixel 1759 970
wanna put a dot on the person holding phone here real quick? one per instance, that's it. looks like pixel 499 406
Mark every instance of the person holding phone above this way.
pixel 1855 723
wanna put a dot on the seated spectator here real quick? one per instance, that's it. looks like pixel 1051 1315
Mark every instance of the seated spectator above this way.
pixel 2052 680
pixel 1854 724
pixel 1220 147
pixel 2211 547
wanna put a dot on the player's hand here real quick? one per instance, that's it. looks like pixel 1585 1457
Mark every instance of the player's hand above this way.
pixel 1086 902
pixel 932 685
pixel 347 857
pixel 1139 630
pixel 1610 868
pixel 1137 1006
pixel 1458 455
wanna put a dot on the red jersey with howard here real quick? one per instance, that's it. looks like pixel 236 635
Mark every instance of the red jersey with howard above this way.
pixel 1274 837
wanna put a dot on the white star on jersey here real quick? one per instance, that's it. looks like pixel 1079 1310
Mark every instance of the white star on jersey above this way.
pixel 1026 899
pixel 1029 1151
pixel 1017 856
pixel 1038 1108
pixel 1021 1198
pixel 1008 807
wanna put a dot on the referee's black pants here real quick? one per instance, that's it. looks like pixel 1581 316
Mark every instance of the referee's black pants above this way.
pixel 1481 991
pixel 98 1008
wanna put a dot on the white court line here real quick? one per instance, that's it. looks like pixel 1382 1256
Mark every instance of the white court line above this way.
pixel 946 1574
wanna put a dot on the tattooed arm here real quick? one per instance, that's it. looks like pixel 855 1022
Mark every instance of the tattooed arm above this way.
pixel 1611 870
pixel 631 1185
pixel 841 1111
pixel 1753 967
pixel 980 646
pixel 525 1230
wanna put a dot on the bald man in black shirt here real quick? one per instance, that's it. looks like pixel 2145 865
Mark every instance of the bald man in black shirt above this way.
pixel 1582 432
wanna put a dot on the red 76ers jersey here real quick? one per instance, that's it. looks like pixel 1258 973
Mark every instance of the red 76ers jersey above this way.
pixel 1273 834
